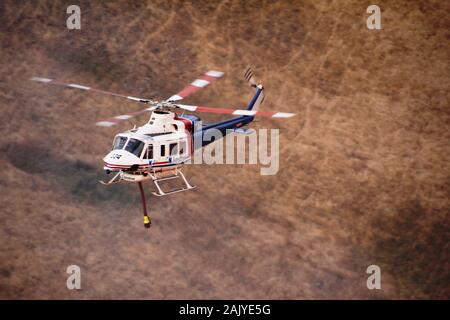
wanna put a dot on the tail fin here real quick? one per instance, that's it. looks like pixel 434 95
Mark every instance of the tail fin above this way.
pixel 259 95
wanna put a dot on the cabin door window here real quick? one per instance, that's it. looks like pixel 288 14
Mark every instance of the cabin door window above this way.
pixel 183 149
pixel 173 149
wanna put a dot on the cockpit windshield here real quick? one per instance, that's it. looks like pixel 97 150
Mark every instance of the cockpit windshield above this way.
pixel 119 142
pixel 135 146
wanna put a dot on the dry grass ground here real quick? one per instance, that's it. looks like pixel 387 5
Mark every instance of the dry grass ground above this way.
pixel 364 177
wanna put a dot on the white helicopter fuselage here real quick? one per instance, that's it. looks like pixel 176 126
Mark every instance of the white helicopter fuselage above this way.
pixel 164 143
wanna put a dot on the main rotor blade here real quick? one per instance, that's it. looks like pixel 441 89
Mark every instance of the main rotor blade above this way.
pixel 117 119
pixel 196 85
pixel 238 112
pixel 81 87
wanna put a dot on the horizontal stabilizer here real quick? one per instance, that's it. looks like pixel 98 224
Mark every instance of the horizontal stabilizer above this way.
pixel 244 131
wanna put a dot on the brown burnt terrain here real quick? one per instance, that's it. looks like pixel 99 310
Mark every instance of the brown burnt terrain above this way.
pixel 364 165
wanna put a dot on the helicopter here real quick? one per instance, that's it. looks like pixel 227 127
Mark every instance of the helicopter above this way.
pixel 158 149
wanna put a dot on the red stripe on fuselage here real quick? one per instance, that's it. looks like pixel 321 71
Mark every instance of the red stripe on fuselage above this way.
pixel 121 166
pixel 164 162
pixel 128 166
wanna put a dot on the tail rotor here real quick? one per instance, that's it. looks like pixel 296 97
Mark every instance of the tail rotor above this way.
pixel 249 76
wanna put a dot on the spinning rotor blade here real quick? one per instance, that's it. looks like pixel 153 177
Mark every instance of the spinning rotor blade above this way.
pixel 196 85
pixel 117 119
pixel 237 112
pixel 81 87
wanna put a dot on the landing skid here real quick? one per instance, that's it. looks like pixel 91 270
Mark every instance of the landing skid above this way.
pixel 117 178
pixel 158 177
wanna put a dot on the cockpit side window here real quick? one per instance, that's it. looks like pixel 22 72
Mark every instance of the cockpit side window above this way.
pixel 135 146
pixel 119 142
pixel 173 149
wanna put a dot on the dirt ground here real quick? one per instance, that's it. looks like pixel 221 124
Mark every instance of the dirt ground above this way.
pixel 364 165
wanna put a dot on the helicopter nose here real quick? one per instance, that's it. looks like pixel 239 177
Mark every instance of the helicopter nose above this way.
pixel 119 159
